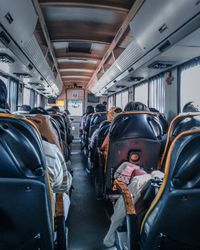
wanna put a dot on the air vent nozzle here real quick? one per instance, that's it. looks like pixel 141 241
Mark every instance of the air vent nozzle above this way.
pixel 160 65
pixel 135 78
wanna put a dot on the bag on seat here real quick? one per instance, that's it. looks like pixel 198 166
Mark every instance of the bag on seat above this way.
pixel 25 210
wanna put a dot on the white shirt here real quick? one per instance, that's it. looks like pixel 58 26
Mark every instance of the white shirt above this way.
pixel 61 179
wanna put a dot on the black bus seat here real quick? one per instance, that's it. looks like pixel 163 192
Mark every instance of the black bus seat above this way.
pixel 63 131
pixel 179 124
pixel 137 133
pixel 95 122
pixel 103 131
pixel 173 220
pixel 99 159
pixel 25 209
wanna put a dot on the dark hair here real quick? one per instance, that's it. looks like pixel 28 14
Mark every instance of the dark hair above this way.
pixel 105 103
pixel 135 106
pixel 118 110
pixel 38 110
pixel 26 108
pixel 3 95
pixel 154 110
pixel 89 109
pixel 56 108
pixel 67 111
pixel 191 107
pixel 100 108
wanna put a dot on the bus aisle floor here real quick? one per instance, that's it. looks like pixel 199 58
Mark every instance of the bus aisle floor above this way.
pixel 88 222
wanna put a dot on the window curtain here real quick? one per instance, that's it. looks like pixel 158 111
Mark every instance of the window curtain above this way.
pixel 189 82
pixel 141 93
pixel 157 93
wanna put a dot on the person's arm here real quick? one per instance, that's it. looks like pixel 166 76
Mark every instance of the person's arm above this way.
pixel 45 128
pixel 67 178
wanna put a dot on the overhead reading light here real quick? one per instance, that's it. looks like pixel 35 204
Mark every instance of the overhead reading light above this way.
pixel 111 91
pixel 160 65
pixel 5 58
pixel 34 83
pixel 41 89
pixel 120 86
pixel 23 75
pixel 135 78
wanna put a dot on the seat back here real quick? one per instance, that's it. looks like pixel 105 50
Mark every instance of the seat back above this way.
pixel 173 220
pixel 178 125
pixel 25 211
pixel 95 121
pixel 133 133
pixel 103 131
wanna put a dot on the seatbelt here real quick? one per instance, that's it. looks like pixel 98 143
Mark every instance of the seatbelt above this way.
pixel 127 196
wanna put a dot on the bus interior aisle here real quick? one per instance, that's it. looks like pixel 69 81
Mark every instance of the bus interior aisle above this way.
pixel 88 221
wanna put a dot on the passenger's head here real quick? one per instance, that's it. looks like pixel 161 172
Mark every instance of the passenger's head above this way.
pixel 24 108
pixel 113 112
pixel 191 107
pixel 135 106
pixel 56 108
pixel 105 104
pixel 3 95
pixel 89 110
pixel 154 110
pixel 38 110
pixel 100 108
pixel 67 112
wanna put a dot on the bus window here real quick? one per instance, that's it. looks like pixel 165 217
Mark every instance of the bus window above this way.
pixel 26 96
pixel 141 93
pixel 189 84
pixel 75 107
pixel 122 99
pixel 13 95
pixel 157 93
pixel 110 101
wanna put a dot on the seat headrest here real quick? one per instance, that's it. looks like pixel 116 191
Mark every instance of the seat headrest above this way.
pixel 136 125
pixel 97 118
pixel 185 123
pixel 185 161
pixel 21 149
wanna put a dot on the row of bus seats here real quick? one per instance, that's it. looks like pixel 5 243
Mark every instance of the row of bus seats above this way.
pixel 32 216
pixel 165 213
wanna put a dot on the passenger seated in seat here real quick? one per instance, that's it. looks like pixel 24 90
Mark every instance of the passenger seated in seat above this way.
pixel 89 110
pixel 60 178
pixel 135 106
pixel 137 183
pixel 131 106
pixel 112 113
pixel 191 107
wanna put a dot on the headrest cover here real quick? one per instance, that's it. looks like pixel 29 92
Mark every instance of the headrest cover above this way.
pixel 185 162
pixel 136 125
pixel 97 118
pixel 21 149
pixel 185 123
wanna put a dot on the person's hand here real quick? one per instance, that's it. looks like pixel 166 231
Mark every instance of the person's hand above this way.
pixel 45 128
